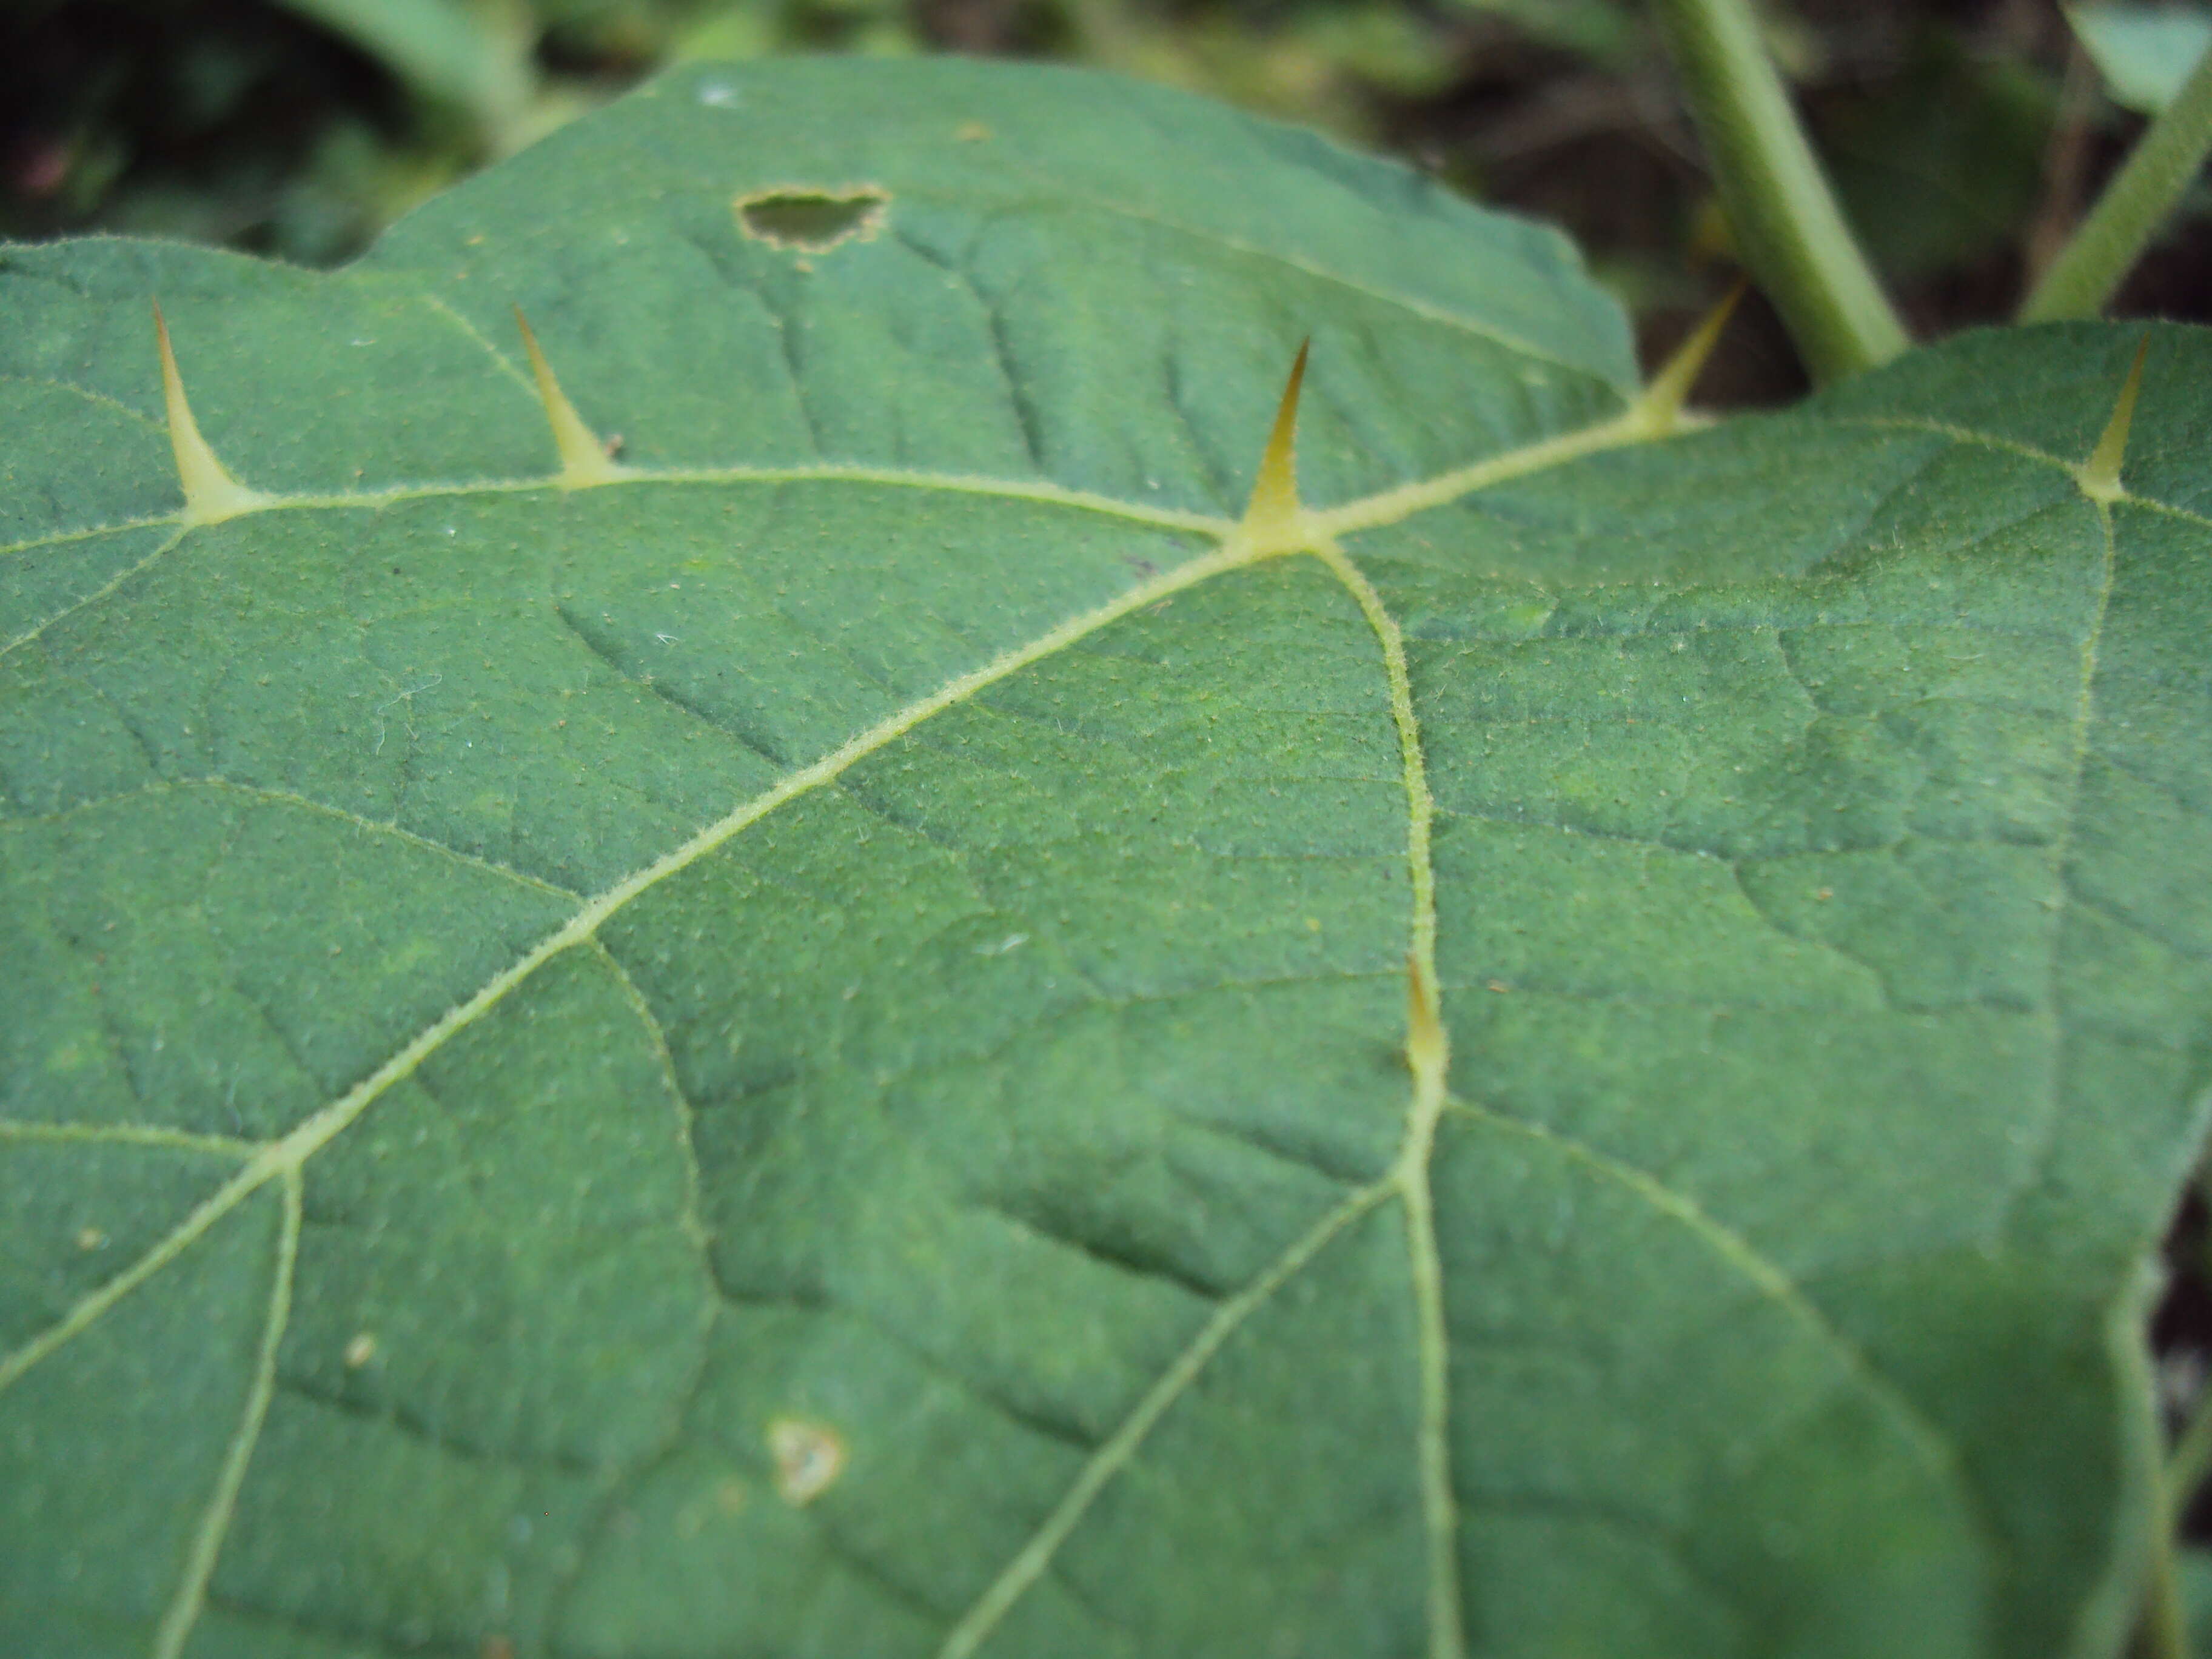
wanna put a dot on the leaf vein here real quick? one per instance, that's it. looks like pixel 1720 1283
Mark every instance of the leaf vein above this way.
pixel 1029 1562
pixel 296 1148
pixel 184 1609
pixel 1738 1252
pixel 130 1135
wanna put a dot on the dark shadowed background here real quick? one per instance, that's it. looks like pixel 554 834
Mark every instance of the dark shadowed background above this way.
pixel 1964 134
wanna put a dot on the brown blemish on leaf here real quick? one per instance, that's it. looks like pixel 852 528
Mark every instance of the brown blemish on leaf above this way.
pixel 360 1351
pixel 809 1456
pixel 811 219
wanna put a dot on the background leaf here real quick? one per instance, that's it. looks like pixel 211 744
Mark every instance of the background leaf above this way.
pixel 2144 52
pixel 807 1052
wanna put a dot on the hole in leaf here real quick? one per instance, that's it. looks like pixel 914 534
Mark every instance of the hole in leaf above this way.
pixel 813 220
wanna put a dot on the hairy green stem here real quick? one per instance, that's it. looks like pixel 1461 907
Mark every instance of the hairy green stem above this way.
pixel 1783 214
pixel 2101 252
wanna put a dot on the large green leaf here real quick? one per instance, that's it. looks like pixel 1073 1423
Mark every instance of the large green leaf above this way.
pixel 810 1050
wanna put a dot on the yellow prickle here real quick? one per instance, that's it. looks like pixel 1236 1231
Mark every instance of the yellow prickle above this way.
pixel 1663 401
pixel 584 459
pixel 211 495
pixel 1273 515
pixel 1428 1049
pixel 2099 476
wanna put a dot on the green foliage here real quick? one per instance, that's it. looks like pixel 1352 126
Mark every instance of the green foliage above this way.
pixel 2133 209
pixel 299 128
pixel 473 58
pixel 892 1030
pixel 1943 166
pixel 1602 29
pixel 2144 52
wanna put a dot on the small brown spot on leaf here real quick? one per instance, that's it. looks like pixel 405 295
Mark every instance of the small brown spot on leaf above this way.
pixel 805 220
pixel 91 1238
pixel 809 1456
pixel 360 1351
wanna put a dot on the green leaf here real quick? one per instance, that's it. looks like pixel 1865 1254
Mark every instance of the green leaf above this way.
pixel 1943 166
pixel 806 1045
pixel 2144 52
pixel 2196 1575
pixel 474 57
pixel 1602 29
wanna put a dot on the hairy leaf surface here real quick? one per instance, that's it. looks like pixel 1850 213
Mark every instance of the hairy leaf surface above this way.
pixel 845 1015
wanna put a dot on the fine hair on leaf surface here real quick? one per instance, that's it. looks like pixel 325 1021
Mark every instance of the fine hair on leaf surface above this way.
pixel 1130 915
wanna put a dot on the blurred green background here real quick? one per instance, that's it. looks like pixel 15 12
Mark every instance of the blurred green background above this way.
pixel 1965 136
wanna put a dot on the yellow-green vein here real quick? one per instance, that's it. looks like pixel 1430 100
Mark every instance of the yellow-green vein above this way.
pixel 59 537
pixel 292 1152
pixel 1934 1452
pixel 129 1134
pixel 93 597
pixel 693 1223
pixel 1031 1561
pixel 191 1595
pixel 1428 1053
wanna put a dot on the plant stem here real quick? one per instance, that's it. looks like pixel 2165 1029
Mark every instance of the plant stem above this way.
pixel 2065 162
pixel 1779 205
pixel 2100 253
pixel 2192 1456
pixel 2161 1632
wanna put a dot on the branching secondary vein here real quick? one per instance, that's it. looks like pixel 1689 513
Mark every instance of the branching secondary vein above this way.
pixel 1428 1053
pixel 283 1158
pixel 129 1134
pixel 290 1153
pixel 97 594
pixel 1030 1562
pixel 1934 1453
pixel 184 1609
pixel 282 1161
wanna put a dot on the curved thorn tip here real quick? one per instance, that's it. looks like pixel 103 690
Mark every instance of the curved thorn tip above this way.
pixel 583 459
pixel 1273 511
pixel 2099 476
pixel 211 495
